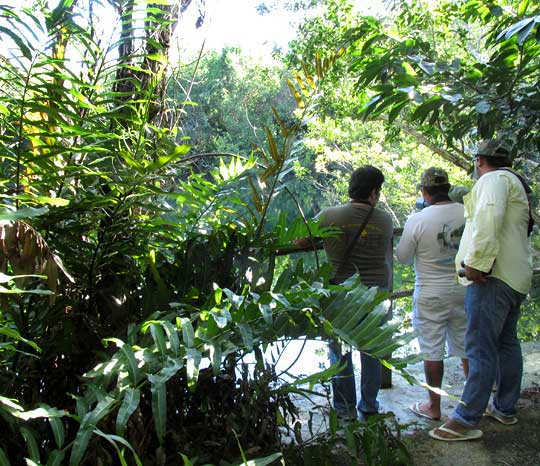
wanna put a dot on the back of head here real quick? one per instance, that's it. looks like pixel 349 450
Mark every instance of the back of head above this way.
pixel 435 181
pixel 364 180
pixel 496 152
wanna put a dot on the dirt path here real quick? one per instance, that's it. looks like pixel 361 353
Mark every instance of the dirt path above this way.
pixel 517 445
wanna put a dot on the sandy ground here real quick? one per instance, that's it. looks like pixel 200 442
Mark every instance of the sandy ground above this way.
pixel 517 445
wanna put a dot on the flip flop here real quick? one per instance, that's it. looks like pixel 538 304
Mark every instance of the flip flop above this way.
pixel 415 408
pixel 506 420
pixel 471 434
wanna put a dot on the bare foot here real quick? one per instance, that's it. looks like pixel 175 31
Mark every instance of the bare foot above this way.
pixel 426 410
pixel 434 412
pixel 452 425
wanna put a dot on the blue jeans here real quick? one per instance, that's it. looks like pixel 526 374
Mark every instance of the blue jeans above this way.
pixel 344 387
pixel 493 351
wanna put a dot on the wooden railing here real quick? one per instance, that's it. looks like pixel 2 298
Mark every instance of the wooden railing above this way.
pixel 317 245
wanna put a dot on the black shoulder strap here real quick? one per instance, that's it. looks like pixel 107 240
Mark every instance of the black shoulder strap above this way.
pixel 354 240
pixel 528 192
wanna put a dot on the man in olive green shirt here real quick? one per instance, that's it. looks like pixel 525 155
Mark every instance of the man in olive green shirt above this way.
pixel 371 258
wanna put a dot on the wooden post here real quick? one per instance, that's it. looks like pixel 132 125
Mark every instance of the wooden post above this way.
pixel 386 376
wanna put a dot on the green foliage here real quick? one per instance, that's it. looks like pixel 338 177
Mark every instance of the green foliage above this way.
pixel 227 94
pixel 459 73
pixel 376 442
pixel 417 87
pixel 140 334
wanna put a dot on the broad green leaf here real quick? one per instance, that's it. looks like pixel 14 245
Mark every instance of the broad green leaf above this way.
pixel 4 461
pixel 53 415
pixel 369 326
pixel 186 460
pixel 423 110
pixel 236 300
pixel 221 317
pixel 247 334
pixel 54 201
pixel 159 409
pixel 313 379
pixel 14 290
pixel 127 351
pixel 218 293
pixel 454 98
pixel 296 95
pixel 10 404
pixel 165 160
pixel 383 336
pixel 102 409
pixel 25 50
pixel 522 7
pixel 26 212
pixel 188 334
pixel 408 68
pixel 129 404
pixel 266 311
pixel 272 147
pixel 159 57
pixel 261 461
pixel 104 368
pixel 174 342
pixel 43 411
pixel 159 339
pixel 216 356
pixel 57 427
pixel 56 458
pixel 523 35
pixel 396 110
pixel 87 427
pixel 115 440
pixel 169 369
pixel 126 156
pixel 16 336
pixel 515 28
pixel 193 361
pixel 31 443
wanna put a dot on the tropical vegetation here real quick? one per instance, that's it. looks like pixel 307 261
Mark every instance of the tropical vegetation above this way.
pixel 146 204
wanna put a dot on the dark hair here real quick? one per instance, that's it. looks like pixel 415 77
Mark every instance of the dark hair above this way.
pixel 441 189
pixel 497 162
pixel 364 180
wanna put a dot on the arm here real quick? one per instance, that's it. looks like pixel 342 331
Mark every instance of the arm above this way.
pixel 406 248
pixel 303 242
pixel 310 242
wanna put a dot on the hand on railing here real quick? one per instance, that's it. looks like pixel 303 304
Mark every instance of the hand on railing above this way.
pixel 300 245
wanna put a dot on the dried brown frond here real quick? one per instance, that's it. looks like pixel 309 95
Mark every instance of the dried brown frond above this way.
pixel 25 250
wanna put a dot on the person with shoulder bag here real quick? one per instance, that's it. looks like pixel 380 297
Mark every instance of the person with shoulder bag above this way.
pixel 495 260
pixel 364 247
